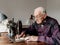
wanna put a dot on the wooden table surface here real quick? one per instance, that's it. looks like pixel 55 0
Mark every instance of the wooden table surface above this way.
pixel 5 41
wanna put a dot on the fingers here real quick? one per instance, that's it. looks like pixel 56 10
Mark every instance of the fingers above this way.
pixel 16 36
pixel 22 34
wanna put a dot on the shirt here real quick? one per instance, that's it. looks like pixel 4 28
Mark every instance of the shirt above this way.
pixel 47 31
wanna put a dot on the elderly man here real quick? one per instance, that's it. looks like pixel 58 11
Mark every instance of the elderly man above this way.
pixel 44 29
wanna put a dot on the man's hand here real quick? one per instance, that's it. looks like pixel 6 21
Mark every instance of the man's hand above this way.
pixel 21 35
pixel 32 38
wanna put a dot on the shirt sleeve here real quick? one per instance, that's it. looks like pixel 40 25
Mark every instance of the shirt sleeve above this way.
pixel 53 39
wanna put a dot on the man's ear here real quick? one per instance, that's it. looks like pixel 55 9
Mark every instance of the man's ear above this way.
pixel 45 15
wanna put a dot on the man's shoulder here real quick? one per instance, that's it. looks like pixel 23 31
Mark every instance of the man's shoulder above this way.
pixel 51 20
pixel 48 17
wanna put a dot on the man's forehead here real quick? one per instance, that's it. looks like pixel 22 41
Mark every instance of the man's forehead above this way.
pixel 37 12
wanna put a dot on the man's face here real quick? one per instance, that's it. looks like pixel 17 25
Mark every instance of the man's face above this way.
pixel 39 17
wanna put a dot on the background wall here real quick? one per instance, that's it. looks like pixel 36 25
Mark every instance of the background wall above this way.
pixel 53 9
pixel 20 9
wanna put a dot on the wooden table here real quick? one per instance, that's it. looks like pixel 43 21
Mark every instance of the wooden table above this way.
pixel 5 41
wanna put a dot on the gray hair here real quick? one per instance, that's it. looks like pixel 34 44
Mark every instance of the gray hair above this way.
pixel 41 9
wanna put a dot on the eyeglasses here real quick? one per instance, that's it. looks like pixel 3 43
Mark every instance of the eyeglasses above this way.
pixel 38 16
